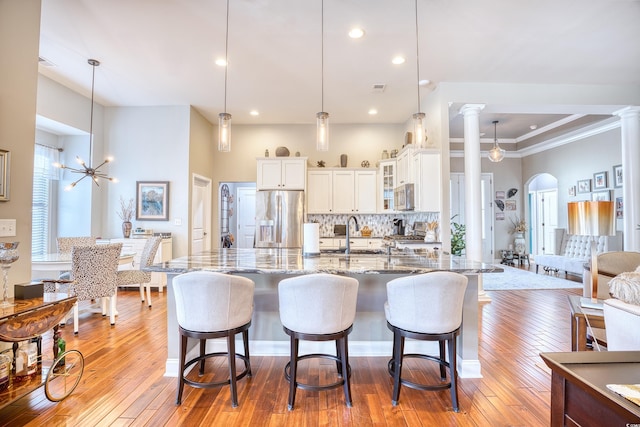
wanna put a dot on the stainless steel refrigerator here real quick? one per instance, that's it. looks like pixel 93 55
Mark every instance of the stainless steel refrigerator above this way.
pixel 279 218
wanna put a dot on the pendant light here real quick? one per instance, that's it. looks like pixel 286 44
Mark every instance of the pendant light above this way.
pixel 224 119
pixel 419 117
pixel 496 154
pixel 322 118
pixel 87 170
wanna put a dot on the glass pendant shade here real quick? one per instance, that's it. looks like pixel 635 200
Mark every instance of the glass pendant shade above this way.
pixel 496 154
pixel 418 129
pixel 224 132
pixel 322 131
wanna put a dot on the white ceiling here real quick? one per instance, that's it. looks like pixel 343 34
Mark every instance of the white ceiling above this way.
pixel 162 52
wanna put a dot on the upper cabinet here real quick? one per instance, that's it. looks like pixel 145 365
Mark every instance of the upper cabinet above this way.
pixel 341 191
pixel 281 174
pixel 387 184
pixel 428 183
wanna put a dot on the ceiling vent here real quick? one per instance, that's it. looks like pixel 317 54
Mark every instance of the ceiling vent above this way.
pixel 45 62
pixel 378 87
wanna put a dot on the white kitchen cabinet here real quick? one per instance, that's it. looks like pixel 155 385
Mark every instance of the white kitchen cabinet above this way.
pixel 387 184
pixel 404 164
pixel 319 191
pixel 164 254
pixel 329 244
pixel 346 191
pixel 428 188
pixel 281 174
pixel 366 192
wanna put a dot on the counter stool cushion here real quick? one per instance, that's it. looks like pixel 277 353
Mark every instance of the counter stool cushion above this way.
pixel 213 305
pixel 425 307
pixel 318 307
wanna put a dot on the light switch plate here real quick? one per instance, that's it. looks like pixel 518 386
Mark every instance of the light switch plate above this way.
pixel 7 227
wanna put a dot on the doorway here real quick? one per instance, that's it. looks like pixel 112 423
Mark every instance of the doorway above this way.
pixel 200 214
pixel 237 215
pixel 543 213
pixel 457 209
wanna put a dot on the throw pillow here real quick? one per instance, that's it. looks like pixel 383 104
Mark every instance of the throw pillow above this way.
pixel 626 287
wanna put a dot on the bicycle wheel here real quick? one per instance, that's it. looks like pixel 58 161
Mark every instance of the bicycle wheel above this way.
pixel 64 375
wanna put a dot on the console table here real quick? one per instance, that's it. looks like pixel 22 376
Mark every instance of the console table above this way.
pixel 579 393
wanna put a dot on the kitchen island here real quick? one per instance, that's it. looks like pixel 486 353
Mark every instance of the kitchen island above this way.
pixel 370 336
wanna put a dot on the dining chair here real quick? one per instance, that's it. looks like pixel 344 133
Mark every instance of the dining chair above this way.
pixel 94 275
pixel 65 244
pixel 143 278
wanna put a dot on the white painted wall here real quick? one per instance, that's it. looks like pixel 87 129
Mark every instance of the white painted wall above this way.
pixel 149 144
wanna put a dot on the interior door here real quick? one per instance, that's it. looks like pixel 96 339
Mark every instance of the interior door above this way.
pixel 246 210
pixel 200 214
pixel 546 221
pixel 457 196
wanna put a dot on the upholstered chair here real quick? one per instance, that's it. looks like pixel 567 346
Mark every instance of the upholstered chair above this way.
pixel 64 244
pixel 213 305
pixel 425 307
pixel 318 307
pixel 143 278
pixel 94 276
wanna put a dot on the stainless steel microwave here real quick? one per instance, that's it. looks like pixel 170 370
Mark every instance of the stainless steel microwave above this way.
pixel 403 197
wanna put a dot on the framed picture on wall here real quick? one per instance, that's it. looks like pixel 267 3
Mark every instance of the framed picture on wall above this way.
pixel 618 207
pixel 499 216
pixel 152 200
pixel 600 180
pixel 598 196
pixel 584 186
pixel 572 190
pixel 510 205
pixel 617 176
pixel 499 194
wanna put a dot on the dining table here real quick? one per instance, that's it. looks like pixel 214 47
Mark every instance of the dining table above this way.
pixel 62 261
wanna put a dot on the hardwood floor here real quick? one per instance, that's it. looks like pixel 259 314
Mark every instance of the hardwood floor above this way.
pixel 123 382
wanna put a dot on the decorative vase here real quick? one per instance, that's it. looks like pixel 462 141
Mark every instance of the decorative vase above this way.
pixel 519 243
pixel 343 160
pixel 8 255
pixel 126 229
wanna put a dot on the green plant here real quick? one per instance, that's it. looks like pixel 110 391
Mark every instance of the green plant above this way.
pixel 457 237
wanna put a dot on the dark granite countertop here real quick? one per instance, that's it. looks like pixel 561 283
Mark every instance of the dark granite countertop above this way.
pixel 291 261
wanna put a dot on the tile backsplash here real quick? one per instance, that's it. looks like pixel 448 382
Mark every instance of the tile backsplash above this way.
pixel 380 224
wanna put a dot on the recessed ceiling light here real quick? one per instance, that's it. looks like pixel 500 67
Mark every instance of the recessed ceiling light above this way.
pixel 254 113
pixel 482 133
pixel 356 33
pixel 424 82
pixel 533 127
pixel 398 60
pixel 221 62
pixel 373 112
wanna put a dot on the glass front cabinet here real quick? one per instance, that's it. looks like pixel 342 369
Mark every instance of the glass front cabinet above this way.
pixel 388 177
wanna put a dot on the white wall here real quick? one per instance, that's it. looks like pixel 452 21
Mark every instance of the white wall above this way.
pixel 19 21
pixel 149 144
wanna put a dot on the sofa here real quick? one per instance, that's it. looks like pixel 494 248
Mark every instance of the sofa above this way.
pixel 610 264
pixel 572 251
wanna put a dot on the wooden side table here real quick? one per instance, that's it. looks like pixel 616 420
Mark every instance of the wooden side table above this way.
pixel 579 317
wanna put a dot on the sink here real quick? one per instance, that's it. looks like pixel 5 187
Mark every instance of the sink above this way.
pixel 354 251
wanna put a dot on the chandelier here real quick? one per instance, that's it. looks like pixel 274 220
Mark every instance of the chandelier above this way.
pixel 88 170
pixel 419 117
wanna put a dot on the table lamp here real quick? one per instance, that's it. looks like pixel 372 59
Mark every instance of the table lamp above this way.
pixel 592 219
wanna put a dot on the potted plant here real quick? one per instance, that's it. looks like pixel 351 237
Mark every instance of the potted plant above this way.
pixel 458 232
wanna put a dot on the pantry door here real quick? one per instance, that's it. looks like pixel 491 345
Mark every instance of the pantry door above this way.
pixel 200 214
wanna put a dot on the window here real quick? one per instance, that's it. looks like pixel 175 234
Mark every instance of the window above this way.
pixel 43 174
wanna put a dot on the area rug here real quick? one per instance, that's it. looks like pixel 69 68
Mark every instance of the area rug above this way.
pixel 515 278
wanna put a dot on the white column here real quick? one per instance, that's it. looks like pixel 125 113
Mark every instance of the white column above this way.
pixel 630 135
pixel 472 184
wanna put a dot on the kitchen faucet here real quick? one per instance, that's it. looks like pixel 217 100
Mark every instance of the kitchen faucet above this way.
pixel 348 245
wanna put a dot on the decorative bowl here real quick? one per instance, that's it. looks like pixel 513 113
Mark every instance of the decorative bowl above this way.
pixel 282 152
